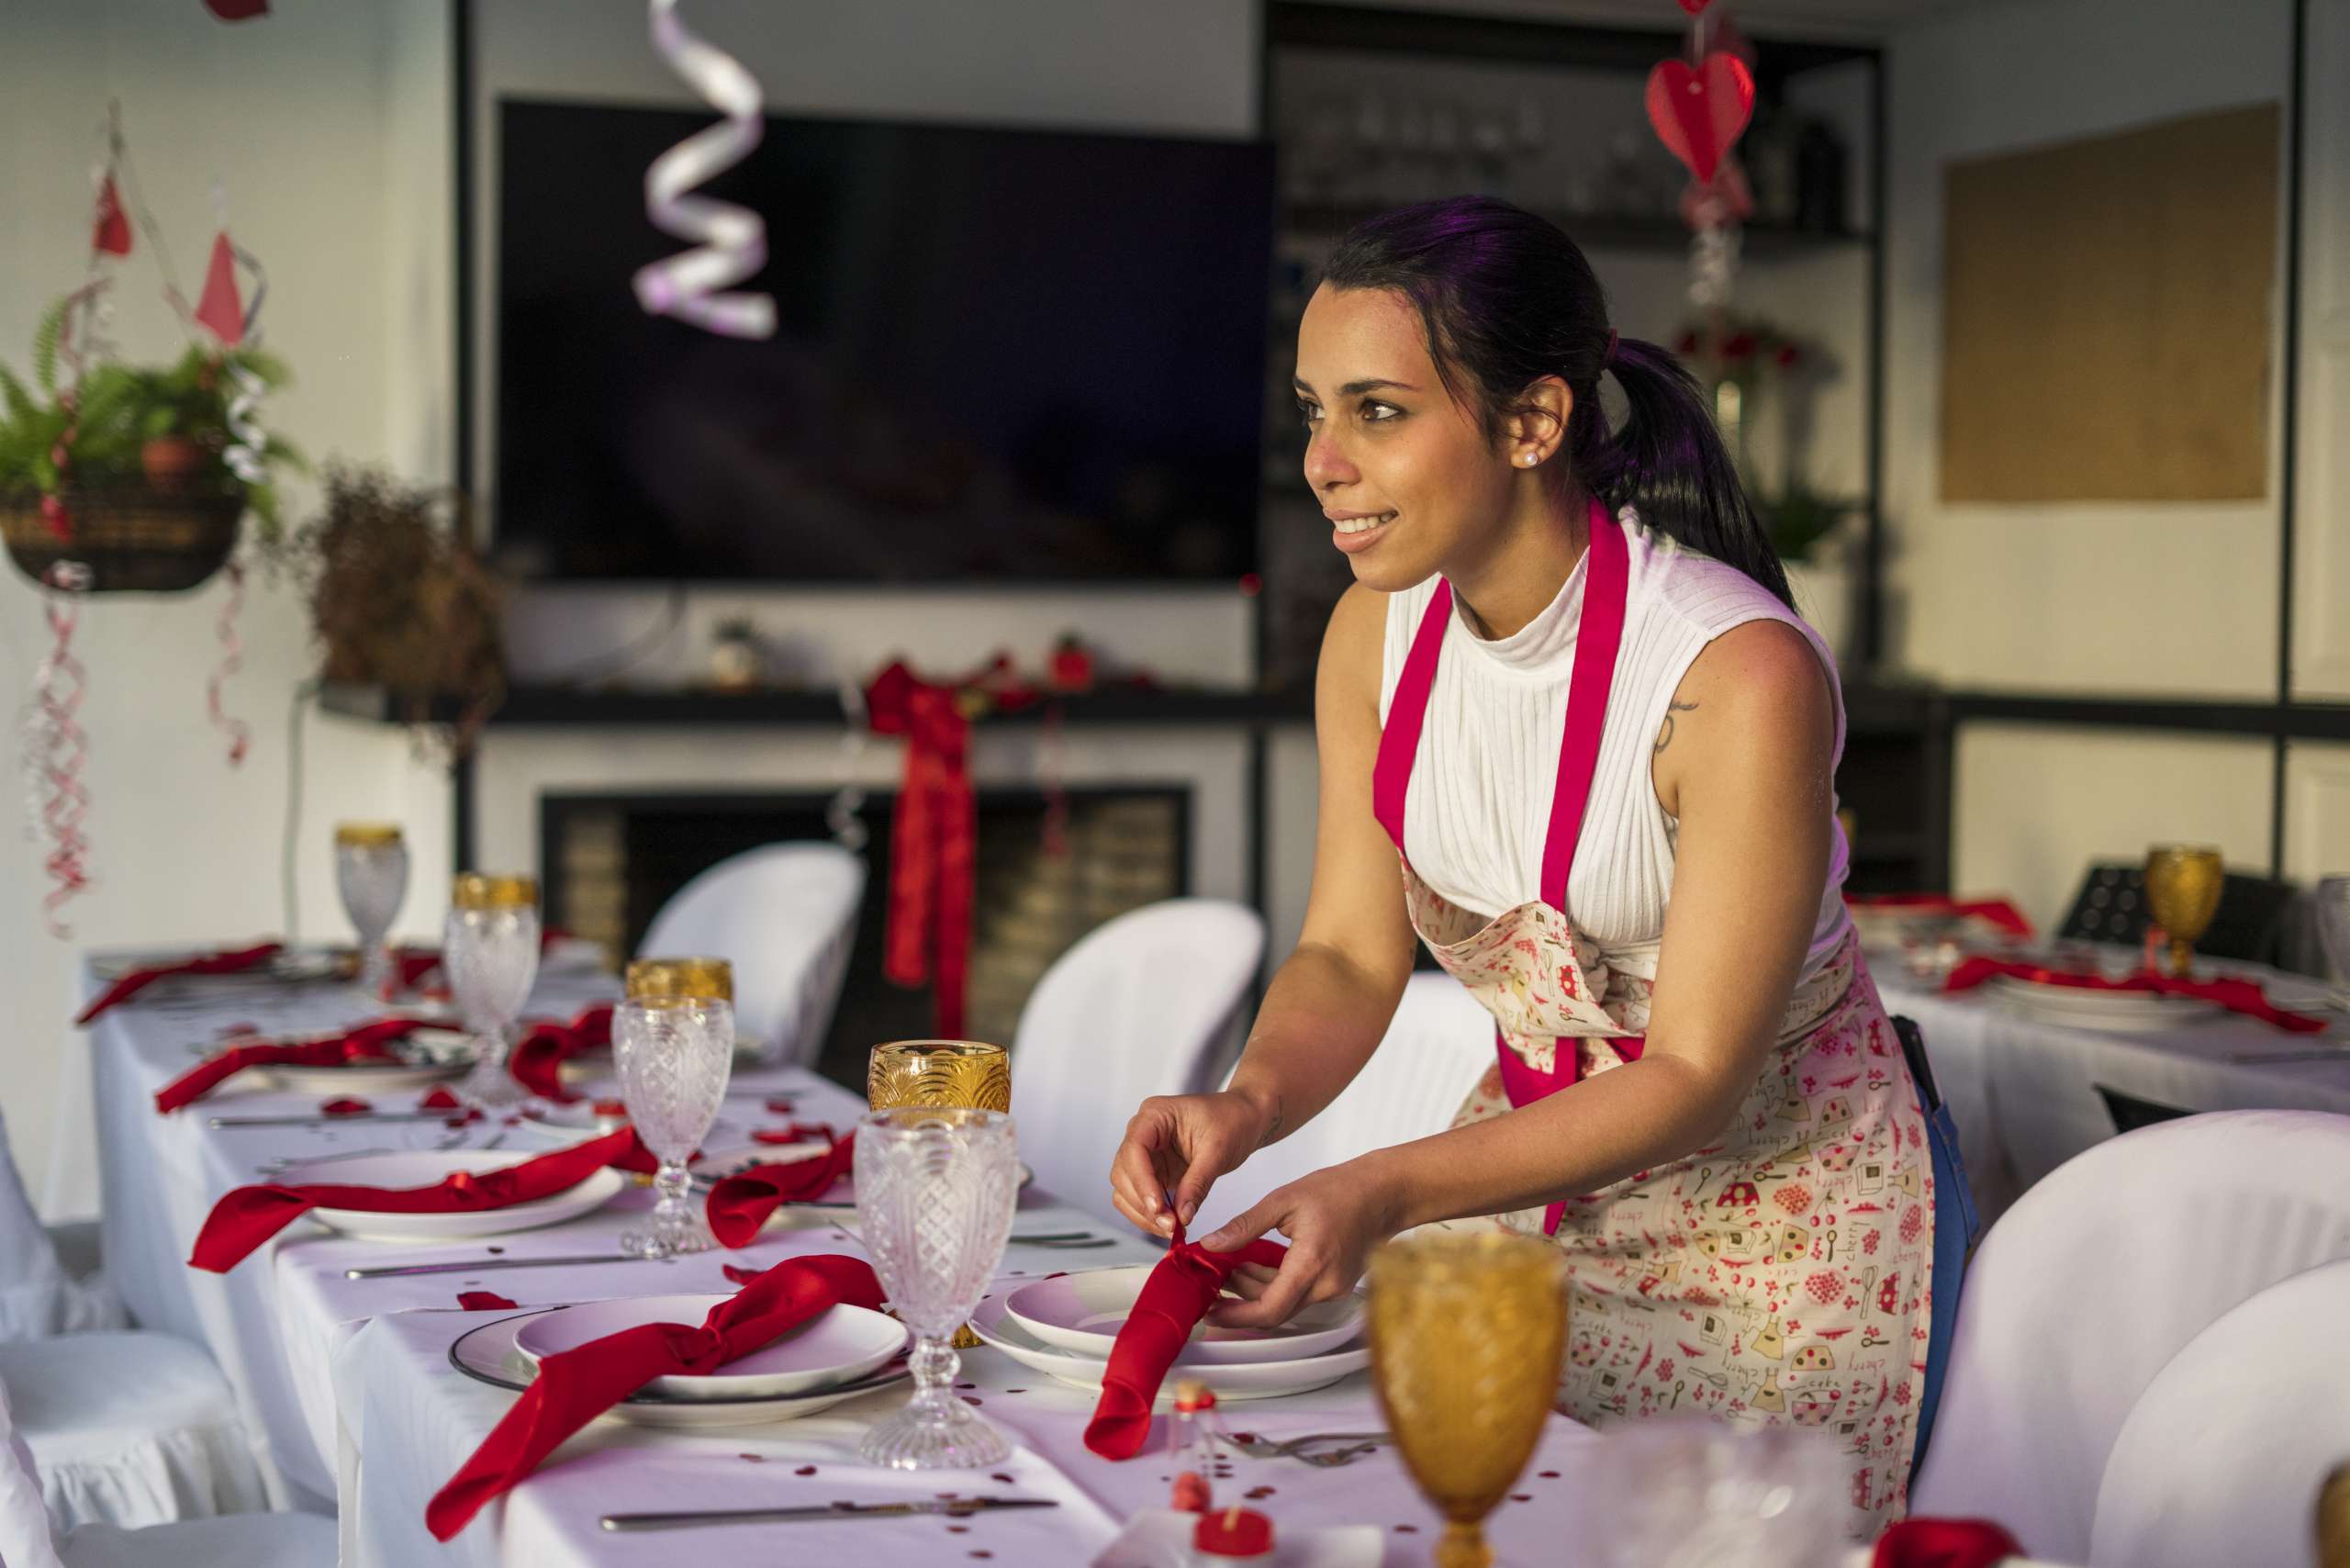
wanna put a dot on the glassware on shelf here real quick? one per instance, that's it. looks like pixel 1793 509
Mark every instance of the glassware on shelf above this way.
pixel 935 1187
pixel 371 872
pixel 491 953
pixel 673 1054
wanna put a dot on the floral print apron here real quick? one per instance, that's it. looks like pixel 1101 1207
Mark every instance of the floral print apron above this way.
pixel 1783 1272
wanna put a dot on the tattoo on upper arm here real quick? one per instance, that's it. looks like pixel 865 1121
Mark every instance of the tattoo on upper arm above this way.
pixel 1664 733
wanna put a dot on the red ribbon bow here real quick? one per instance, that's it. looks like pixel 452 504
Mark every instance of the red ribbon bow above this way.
pixel 932 849
pixel 2236 996
pixel 739 1204
pixel 248 1217
pixel 1180 1289
pixel 578 1385
pixel 369 1042
pixel 537 1058
pixel 137 980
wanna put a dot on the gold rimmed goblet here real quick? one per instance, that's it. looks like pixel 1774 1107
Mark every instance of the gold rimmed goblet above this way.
pixel 969 1073
pixel 2183 883
pixel 700 978
pixel 1466 1333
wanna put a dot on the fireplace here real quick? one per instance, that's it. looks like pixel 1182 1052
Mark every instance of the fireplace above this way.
pixel 611 861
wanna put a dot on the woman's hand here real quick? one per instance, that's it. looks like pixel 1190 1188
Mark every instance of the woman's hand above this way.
pixel 1178 1145
pixel 1333 1219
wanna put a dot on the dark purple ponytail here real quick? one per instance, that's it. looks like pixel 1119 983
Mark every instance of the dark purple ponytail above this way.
pixel 1507 299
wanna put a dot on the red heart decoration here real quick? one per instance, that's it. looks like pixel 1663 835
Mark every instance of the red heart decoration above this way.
pixel 1700 113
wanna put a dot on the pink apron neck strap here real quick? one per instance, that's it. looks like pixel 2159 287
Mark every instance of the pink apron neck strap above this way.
pixel 1598 636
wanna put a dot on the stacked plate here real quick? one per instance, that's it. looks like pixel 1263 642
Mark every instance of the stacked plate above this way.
pixel 2082 1007
pixel 428 1056
pixel 1065 1327
pixel 424 1167
pixel 846 1353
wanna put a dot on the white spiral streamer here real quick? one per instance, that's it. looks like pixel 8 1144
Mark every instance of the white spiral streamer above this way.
pixel 733 238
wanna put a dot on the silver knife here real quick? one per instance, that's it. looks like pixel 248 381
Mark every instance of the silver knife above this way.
pixel 954 1507
pixel 322 1120
pixel 395 1270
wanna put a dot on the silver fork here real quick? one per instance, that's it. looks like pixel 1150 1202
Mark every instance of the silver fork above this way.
pixel 1362 1443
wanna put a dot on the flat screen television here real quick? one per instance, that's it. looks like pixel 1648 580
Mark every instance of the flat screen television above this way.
pixel 1001 356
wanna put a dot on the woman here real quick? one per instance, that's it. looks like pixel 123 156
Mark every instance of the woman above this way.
pixel 1568 692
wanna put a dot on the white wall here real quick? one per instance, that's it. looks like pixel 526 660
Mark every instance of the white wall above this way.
pixel 2121 599
pixel 319 121
pixel 2112 598
pixel 2321 526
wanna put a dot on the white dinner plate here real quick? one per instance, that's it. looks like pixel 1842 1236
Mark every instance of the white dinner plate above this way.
pixel 293 966
pixel 1083 1312
pixel 842 1345
pixel 490 1355
pixel 422 1168
pixel 2086 1009
pixel 1258 1380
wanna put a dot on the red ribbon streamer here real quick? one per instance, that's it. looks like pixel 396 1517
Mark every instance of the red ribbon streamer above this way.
pixel 232 659
pixel 63 745
pixel 933 846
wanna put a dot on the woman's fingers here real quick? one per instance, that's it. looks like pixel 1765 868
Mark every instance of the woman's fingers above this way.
pixel 1274 1303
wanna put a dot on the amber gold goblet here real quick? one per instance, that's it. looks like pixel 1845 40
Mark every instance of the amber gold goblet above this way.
pixel 968 1073
pixel 1466 1333
pixel 699 979
pixel 2182 884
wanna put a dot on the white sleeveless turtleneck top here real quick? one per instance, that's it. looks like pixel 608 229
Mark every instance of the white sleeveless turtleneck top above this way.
pixel 1479 805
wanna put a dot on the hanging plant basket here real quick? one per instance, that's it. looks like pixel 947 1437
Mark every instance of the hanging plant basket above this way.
pixel 134 538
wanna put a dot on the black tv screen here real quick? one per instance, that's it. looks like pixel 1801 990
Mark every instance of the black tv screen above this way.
pixel 1000 354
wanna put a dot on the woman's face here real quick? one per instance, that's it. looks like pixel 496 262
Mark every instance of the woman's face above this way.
pixel 1406 477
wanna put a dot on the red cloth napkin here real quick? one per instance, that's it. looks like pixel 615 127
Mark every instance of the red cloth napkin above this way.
pixel 797 1133
pixel 248 1217
pixel 2236 996
pixel 740 1204
pixel 1944 1543
pixel 224 963
pixel 1999 912
pixel 367 1042
pixel 1180 1289
pixel 539 1056
pixel 576 1386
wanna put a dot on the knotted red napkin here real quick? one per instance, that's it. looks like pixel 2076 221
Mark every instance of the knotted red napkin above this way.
pixel 539 1055
pixel 248 1217
pixel 576 1386
pixel 2236 996
pixel 368 1042
pixel 1944 1543
pixel 740 1204
pixel 1180 1289
pixel 1999 912
pixel 137 980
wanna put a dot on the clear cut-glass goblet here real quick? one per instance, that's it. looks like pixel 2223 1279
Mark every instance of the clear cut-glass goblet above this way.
pixel 935 1187
pixel 674 1055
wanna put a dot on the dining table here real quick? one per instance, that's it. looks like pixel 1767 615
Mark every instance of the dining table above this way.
pixel 352 1401
pixel 2029 1089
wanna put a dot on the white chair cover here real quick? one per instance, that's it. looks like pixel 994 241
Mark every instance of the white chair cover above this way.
pixel 785 916
pixel 238 1540
pixel 37 1297
pixel 2094 1280
pixel 2220 1460
pixel 129 1428
pixel 1437 1046
pixel 1138 1007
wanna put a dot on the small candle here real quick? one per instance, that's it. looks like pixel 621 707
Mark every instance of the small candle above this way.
pixel 1235 1535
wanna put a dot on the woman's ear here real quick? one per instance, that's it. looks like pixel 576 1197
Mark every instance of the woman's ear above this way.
pixel 1537 426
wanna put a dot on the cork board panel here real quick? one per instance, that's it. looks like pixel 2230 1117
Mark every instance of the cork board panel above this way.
pixel 2106 315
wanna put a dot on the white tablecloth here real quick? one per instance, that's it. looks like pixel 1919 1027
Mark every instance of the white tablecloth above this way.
pixel 349 1391
pixel 2024 1090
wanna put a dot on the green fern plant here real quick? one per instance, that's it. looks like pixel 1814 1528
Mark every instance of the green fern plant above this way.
pixel 119 409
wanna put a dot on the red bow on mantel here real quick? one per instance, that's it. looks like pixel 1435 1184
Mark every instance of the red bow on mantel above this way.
pixel 933 845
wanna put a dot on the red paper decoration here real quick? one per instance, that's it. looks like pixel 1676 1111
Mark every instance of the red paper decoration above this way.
pixel 237 10
pixel 110 230
pixel 1699 114
pixel 219 309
